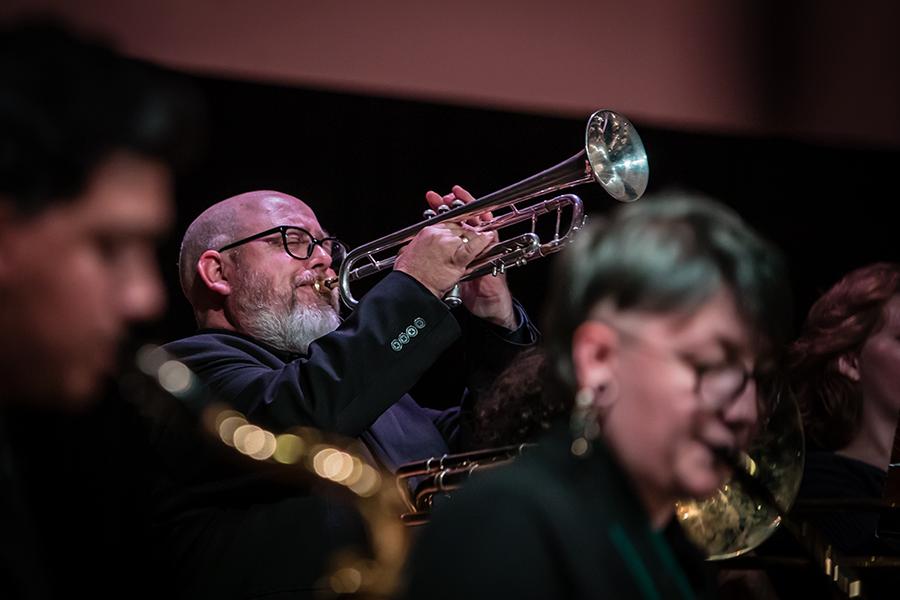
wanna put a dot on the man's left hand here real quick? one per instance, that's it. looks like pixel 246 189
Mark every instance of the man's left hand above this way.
pixel 487 297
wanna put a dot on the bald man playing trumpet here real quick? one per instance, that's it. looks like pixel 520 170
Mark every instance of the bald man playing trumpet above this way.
pixel 272 344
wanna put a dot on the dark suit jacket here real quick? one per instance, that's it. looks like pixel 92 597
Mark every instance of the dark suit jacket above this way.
pixel 238 532
pixel 827 475
pixel 354 381
pixel 549 526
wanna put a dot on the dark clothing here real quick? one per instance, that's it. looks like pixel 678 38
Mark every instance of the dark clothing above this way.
pixel 551 525
pixel 239 532
pixel 130 500
pixel 73 513
pixel 827 475
pixel 354 381
pixel 830 475
pixel 226 526
pixel 22 572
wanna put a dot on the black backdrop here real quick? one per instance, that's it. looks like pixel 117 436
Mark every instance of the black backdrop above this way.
pixel 364 164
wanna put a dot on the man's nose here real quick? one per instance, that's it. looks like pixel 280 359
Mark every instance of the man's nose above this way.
pixel 319 258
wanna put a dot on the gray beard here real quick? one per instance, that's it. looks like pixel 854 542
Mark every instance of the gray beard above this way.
pixel 283 322
pixel 293 331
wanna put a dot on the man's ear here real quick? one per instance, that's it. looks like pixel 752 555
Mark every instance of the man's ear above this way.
pixel 848 365
pixel 212 273
pixel 594 347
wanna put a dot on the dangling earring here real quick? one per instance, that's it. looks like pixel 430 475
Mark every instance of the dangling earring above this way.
pixel 584 421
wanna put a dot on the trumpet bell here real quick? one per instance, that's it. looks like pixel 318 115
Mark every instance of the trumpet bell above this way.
pixel 616 155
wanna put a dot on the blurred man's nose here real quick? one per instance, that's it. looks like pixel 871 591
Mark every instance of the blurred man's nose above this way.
pixel 141 291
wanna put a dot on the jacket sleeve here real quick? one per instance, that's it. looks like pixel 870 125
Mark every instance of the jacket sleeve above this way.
pixel 349 377
pixel 488 350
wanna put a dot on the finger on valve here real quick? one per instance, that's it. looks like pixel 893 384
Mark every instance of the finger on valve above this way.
pixel 458 197
pixel 461 193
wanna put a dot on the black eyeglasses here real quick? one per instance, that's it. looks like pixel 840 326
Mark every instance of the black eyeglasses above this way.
pixel 717 385
pixel 720 385
pixel 298 243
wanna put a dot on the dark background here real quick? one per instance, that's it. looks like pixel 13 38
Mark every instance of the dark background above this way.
pixel 364 163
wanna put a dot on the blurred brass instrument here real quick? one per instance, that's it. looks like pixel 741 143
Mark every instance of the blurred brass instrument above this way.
pixel 333 464
pixel 749 507
pixel 613 156
pixel 741 515
pixel 441 475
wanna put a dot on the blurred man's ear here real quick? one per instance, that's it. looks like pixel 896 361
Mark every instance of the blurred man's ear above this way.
pixel 211 272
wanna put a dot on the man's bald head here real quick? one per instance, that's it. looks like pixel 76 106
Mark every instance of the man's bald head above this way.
pixel 229 220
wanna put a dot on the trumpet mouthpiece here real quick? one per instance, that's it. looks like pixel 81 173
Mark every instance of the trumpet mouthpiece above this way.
pixel 324 286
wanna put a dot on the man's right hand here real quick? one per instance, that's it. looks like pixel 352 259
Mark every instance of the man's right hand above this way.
pixel 439 255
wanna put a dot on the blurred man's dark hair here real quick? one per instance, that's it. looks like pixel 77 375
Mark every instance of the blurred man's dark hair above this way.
pixel 66 104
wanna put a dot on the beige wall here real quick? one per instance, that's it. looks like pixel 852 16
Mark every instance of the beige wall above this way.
pixel 818 73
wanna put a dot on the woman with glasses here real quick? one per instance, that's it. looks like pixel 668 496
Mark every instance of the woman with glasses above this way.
pixel 658 322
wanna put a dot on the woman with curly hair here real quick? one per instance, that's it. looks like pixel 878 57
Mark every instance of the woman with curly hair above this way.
pixel 845 373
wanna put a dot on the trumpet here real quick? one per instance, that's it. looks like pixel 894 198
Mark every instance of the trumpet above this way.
pixel 613 156
pixel 444 475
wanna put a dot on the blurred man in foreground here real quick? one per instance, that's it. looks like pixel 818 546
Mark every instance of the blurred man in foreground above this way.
pixel 87 145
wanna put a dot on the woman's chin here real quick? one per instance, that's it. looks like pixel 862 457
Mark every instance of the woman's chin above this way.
pixel 700 475
pixel 700 485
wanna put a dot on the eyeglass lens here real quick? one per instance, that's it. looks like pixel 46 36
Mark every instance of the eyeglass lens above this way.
pixel 301 244
pixel 722 384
